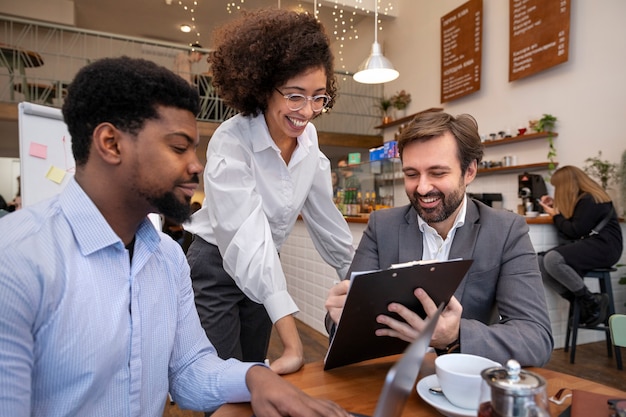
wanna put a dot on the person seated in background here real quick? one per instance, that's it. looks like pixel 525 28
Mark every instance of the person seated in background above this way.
pixel 4 207
pixel 499 309
pixel 97 316
pixel 591 237
pixel 350 181
pixel 184 61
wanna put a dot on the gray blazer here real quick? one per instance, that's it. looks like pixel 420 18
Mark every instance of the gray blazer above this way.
pixel 504 307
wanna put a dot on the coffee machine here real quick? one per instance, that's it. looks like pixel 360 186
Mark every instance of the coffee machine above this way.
pixel 531 187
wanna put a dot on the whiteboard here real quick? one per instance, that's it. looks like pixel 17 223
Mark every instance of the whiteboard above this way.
pixel 47 162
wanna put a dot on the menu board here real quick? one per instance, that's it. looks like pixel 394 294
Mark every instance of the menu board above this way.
pixel 461 50
pixel 538 35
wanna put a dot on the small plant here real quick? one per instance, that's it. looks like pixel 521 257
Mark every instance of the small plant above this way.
pixel 384 105
pixel 546 124
pixel 605 171
pixel 401 100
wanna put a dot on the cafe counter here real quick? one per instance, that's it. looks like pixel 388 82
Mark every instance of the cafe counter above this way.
pixel 309 277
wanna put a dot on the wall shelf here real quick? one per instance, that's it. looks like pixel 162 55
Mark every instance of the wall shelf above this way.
pixel 516 168
pixel 519 138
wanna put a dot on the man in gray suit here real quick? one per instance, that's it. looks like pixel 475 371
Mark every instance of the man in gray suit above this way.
pixel 499 309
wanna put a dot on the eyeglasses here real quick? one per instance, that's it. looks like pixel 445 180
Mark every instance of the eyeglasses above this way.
pixel 296 102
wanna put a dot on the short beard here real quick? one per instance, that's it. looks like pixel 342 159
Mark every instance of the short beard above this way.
pixel 448 206
pixel 169 206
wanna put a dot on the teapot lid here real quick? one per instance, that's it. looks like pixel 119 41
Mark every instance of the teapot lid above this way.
pixel 513 380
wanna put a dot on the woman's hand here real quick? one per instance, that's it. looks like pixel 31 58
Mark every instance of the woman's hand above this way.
pixel 548 205
pixel 292 358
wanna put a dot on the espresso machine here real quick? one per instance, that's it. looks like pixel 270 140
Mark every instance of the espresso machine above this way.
pixel 531 188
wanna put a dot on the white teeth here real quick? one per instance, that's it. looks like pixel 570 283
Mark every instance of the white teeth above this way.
pixel 429 200
pixel 297 122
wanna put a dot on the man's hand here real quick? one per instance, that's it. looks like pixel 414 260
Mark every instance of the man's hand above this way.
pixel 272 396
pixel 446 332
pixel 337 299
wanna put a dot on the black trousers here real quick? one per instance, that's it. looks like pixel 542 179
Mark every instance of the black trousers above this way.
pixel 235 325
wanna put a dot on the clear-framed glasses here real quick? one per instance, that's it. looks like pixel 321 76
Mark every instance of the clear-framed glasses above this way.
pixel 296 102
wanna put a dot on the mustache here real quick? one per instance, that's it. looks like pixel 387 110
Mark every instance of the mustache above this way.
pixel 417 195
pixel 195 179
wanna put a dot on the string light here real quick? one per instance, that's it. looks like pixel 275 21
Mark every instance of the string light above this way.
pixel 344 14
pixel 192 10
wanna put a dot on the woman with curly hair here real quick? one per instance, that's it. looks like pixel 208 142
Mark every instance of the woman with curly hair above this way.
pixel 264 168
pixel 587 224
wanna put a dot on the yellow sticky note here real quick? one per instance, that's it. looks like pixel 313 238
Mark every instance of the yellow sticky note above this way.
pixel 55 174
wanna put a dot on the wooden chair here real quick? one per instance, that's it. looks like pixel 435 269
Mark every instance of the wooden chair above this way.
pixel 617 324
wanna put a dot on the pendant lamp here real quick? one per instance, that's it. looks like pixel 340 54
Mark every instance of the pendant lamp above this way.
pixel 376 69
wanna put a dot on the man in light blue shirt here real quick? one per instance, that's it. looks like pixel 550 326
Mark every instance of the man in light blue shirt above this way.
pixel 97 314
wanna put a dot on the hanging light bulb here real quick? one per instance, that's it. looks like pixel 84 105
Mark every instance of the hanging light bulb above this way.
pixel 376 69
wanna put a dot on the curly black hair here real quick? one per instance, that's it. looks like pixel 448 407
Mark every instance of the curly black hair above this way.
pixel 125 92
pixel 264 49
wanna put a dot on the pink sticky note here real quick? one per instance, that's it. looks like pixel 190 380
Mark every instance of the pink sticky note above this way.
pixel 38 150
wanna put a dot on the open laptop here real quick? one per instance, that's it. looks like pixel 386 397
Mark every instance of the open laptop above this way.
pixel 400 379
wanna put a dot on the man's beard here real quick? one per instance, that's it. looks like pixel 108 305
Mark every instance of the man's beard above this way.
pixel 169 206
pixel 442 211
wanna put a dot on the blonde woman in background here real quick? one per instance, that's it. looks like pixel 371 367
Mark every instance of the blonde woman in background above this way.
pixel 591 237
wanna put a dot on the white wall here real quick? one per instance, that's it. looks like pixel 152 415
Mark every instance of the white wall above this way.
pixel 56 11
pixel 587 93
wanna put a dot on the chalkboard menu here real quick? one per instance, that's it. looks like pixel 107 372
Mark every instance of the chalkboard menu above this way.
pixel 538 35
pixel 461 50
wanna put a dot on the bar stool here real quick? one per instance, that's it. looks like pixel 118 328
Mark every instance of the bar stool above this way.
pixel 604 279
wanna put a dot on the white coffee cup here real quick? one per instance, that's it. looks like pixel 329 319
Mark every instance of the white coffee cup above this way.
pixel 459 377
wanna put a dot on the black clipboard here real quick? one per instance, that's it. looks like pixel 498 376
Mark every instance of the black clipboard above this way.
pixel 369 295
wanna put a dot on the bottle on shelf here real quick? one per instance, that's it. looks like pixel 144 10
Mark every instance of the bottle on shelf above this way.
pixel 359 203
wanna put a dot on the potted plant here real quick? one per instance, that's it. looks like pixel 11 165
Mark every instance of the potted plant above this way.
pixel 384 105
pixel 605 171
pixel 401 100
pixel 546 124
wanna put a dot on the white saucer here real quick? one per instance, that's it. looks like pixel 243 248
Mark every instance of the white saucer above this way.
pixel 440 402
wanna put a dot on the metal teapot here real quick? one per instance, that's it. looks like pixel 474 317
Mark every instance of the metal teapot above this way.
pixel 513 392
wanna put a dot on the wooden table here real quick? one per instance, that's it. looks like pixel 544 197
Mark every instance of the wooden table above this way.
pixel 357 387
pixel 17 59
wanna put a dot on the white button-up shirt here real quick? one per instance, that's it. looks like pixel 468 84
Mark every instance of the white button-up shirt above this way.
pixel 252 201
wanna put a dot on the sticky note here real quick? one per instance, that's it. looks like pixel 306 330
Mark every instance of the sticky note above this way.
pixel 38 150
pixel 55 174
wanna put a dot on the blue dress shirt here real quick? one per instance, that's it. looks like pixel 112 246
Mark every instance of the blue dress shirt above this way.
pixel 85 333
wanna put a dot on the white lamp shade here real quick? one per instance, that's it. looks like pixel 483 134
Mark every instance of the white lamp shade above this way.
pixel 376 69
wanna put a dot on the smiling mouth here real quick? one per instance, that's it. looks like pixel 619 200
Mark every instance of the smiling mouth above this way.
pixel 429 200
pixel 297 122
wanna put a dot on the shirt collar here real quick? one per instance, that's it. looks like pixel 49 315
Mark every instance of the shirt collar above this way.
pixel 264 141
pixel 91 229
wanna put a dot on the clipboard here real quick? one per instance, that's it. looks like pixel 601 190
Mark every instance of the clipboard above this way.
pixel 369 295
